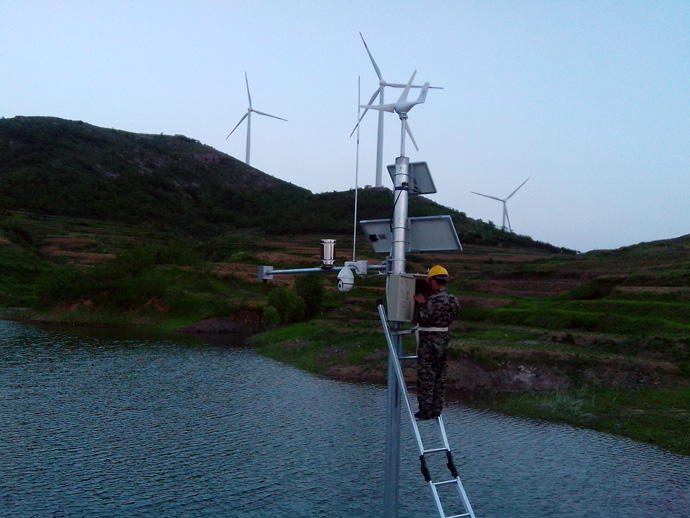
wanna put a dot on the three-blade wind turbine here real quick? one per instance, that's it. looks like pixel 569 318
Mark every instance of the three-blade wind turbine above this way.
pixel 379 93
pixel 248 116
pixel 402 107
pixel 505 206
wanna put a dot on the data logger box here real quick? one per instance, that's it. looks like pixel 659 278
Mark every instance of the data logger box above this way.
pixel 400 291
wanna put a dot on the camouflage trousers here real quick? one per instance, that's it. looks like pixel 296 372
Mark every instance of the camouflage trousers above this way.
pixel 431 372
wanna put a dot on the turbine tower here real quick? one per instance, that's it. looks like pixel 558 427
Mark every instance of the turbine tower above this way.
pixel 505 205
pixel 248 116
pixel 379 93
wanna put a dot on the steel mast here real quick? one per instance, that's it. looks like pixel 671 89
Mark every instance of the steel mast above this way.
pixel 397 260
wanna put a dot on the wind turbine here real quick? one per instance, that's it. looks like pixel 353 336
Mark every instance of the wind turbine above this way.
pixel 505 206
pixel 379 93
pixel 402 107
pixel 248 116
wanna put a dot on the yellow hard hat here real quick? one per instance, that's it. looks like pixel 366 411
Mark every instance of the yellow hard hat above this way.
pixel 435 271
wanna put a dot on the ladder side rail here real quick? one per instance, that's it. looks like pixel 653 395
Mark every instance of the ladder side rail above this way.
pixel 400 376
pixel 453 470
pixel 437 500
pixel 442 430
pixel 464 498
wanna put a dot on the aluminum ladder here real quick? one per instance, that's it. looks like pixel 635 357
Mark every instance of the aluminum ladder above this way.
pixel 423 452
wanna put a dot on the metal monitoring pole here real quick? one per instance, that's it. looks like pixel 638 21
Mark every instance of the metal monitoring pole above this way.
pixel 399 242
pixel 432 234
pixel 397 266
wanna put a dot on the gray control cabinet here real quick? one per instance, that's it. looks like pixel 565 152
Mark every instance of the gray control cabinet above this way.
pixel 400 292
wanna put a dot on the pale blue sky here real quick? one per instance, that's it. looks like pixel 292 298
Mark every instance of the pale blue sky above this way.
pixel 590 99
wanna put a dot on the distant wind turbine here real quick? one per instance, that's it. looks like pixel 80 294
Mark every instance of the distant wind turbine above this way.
pixel 248 116
pixel 505 206
pixel 379 93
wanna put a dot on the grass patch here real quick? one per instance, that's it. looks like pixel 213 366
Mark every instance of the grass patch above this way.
pixel 501 334
pixel 20 268
pixel 597 316
pixel 658 417
pixel 282 335
pixel 316 345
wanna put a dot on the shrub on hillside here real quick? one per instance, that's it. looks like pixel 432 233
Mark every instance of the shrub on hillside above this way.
pixel 290 306
pixel 310 288
pixel 269 317
pixel 16 233
pixel 58 285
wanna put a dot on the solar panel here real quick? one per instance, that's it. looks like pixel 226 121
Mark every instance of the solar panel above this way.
pixel 422 183
pixel 426 234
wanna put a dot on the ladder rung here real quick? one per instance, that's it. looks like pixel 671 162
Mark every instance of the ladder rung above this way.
pixel 464 515
pixel 446 482
pixel 407 357
pixel 435 450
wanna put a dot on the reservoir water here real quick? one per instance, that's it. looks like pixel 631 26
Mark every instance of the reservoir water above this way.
pixel 96 423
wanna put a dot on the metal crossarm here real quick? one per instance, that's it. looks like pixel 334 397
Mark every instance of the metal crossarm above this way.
pixel 455 481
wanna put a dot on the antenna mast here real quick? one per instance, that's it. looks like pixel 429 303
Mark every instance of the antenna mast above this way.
pixel 359 109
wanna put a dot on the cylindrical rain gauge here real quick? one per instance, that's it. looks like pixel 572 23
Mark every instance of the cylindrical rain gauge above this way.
pixel 327 253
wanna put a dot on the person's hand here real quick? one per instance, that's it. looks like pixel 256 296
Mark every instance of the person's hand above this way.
pixel 420 298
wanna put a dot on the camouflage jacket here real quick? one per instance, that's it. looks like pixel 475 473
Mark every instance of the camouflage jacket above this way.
pixel 439 310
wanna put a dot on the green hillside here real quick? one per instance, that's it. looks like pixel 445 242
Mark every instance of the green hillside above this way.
pixel 70 168
pixel 57 167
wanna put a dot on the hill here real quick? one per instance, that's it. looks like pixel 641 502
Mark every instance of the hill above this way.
pixel 66 168
pixel 70 168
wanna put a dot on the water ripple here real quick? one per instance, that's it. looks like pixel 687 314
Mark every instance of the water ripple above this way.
pixel 112 425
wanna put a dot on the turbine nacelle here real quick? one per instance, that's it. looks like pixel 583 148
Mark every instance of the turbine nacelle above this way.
pixel 403 106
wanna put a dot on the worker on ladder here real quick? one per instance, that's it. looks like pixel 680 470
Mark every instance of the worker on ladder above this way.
pixel 433 315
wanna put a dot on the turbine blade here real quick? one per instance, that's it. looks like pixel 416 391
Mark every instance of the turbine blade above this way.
pixel 487 196
pixel 358 121
pixel 422 94
pixel 379 107
pixel 403 96
pixel 371 102
pixel 233 129
pixel 516 190
pixel 375 95
pixel 269 115
pixel 399 85
pixel 409 132
pixel 376 67
pixel 249 96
